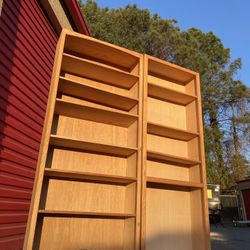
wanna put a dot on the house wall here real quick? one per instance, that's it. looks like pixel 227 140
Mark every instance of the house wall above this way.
pixel 29 31
pixel 27 47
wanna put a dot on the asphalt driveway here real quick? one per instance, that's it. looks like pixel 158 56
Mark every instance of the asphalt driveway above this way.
pixel 230 238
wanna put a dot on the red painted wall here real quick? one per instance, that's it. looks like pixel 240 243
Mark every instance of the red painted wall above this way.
pixel 246 197
pixel 27 47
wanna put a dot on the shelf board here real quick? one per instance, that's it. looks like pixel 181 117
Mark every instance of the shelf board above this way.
pixel 90 177
pixel 169 95
pixel 117 118
pixel 101 51
pixel 172 184
pixel 54 213
pixel 169 71
pixel 93 94
pixel 98 72
pixel 85 146
pixel 160 130
pixel 156 156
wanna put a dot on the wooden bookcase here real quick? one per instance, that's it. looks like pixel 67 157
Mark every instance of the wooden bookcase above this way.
pixel 121 163
pixel 174 203
pixel 88 184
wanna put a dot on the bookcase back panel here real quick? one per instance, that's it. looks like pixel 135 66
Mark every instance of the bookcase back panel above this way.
pixel 165 113
pixel 168 171
pixel 166 83
pixel 93 163
pixel 83 233
pixel 96 105
pixel 96 71
pixel 100 51
pixel 95 132
pixel 132 92
pixel 168 220
pixel 84 196
pixel 167 145
pixel 71 66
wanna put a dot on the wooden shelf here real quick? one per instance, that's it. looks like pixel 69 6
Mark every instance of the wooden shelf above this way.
pixel 172 184
pixel 98 72
pixel 156 129
pixel 93 94
pixel 101 51
pixel 156 156
pixel 118 118
pixel 169 71
pixel 91 177
pixel 54 213
pixel 169 95
pixel 85 146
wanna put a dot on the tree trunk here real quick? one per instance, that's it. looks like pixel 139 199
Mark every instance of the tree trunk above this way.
pixel 217 147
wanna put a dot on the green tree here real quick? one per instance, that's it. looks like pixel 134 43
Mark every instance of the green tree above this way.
pixel 239 130
pixel 139 30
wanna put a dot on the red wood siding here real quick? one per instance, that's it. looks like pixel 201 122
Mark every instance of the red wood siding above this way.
pixel 246 197
pixel 27 47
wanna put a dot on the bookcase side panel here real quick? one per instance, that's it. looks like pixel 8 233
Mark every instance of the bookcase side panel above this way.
pixel 31 226
pixel 204 200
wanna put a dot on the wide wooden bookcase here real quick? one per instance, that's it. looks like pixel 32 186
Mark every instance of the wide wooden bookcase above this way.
pixel 121 162
pixel 88 184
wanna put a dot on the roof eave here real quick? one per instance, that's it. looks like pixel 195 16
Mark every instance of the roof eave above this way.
pixel 77 17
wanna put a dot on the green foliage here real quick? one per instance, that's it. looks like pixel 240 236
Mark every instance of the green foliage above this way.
pixel 225 100
pixel 117 25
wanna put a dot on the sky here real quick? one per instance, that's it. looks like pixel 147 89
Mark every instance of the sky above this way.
pixel 227 19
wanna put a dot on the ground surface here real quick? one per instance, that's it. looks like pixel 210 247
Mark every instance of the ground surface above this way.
pixel 230 238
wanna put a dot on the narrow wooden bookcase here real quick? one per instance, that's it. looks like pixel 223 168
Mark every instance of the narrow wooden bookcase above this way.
pixel 88 184
pixel 174 203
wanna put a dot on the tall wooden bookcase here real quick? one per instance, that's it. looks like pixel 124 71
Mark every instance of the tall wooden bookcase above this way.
pixel 121 163
pixel 88 184
pixel 174 210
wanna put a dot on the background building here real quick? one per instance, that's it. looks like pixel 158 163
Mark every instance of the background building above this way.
pixel 244 192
